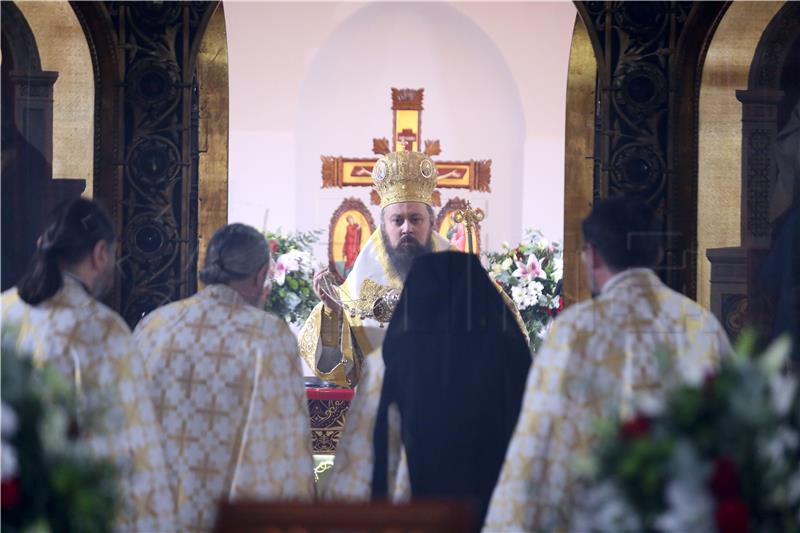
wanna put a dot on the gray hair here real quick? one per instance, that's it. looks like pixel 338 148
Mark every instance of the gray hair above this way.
pixel 235 252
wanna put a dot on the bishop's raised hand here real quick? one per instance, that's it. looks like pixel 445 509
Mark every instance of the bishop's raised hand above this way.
pixel 323 284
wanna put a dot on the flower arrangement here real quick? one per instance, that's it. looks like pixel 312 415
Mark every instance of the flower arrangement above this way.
pixel 722 455
pixel 531 274
pixel 292 295
pixel 50 480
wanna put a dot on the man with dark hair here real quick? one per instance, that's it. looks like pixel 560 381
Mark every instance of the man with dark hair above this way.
pixel 228 388
pixel 601 358
pixel 620 233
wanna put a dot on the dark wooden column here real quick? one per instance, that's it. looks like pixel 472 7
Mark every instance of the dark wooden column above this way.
pixel 146 162
pixel 649 57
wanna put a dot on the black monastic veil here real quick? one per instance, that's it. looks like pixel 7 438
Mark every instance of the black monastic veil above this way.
pixel 456 366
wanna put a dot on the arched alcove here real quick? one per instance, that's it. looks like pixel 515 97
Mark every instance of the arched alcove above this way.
pixel 751 284
pixel 719 190
pixel 29 193
pixel 63 49
pixel 147 144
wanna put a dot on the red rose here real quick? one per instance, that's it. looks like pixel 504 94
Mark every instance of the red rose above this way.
pixel 560 304
pixel 708 382
pixel 638 426
pixel 9 493
pixel 273 246
pixel 724 482
pixel 732 516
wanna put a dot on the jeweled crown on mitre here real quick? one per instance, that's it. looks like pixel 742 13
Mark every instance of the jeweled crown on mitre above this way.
pixel 405 177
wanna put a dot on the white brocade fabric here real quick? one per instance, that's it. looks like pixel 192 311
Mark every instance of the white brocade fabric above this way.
pixel 599 359
pixel 92 347
pixel 351 478
pixel 228 391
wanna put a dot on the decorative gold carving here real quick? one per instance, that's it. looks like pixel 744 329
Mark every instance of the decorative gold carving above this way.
pixel 406 136
pixel 380 146
pixel 327 422
pixel 432 147
pixel 404 177
pixel 374 301
pixel 331 171
pixel 374 197
pixel 470 218
pixel 408 99
pixel 483 175
pixel 459 205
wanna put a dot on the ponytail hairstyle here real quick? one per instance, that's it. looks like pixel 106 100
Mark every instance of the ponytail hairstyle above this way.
pixel 78 226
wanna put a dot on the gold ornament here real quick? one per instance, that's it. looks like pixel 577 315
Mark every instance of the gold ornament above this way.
pixel 375 301
pixel 469 217
pixel 405 177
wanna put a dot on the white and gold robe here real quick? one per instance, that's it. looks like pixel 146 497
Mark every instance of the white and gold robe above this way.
pixel 599 358
pixel 228 390
pixel 351 478
pixel 349 338
pixel 92 347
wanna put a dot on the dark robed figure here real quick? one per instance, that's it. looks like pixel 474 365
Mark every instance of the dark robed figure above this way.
pixel 433 417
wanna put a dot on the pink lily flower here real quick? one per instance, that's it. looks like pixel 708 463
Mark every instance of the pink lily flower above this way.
pixel 530 270
pixel 279 274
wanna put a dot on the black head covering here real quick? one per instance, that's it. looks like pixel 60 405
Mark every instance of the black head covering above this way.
pixel 456 365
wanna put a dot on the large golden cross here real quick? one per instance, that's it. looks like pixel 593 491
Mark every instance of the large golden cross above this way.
pixel 339 171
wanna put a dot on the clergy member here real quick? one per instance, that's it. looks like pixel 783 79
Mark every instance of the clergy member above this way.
pixel 227 386
pixel 61 323
pixel 451 373
pixel 599 359
pixel 334 340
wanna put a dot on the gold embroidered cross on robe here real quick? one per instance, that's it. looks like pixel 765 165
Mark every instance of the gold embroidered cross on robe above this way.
pixel 228 389
pixel 91 345
pixel 599 357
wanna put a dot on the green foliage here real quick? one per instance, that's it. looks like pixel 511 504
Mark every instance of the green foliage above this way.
pixel 292 296
pixel 55 484
pixel 530 273
pixel 742 424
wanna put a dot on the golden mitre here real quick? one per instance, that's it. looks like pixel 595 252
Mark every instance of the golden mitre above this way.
pixel 405 177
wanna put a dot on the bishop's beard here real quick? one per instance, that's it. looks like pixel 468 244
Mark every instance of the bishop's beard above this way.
pixel 408 248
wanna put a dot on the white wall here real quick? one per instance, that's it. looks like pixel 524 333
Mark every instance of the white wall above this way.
pixel 308 79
